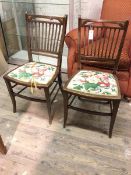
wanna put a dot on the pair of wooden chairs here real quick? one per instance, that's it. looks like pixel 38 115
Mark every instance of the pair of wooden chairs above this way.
pixel 45 36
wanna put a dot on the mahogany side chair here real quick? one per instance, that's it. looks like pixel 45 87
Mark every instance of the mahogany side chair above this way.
pixel 103 42
pixel 45 37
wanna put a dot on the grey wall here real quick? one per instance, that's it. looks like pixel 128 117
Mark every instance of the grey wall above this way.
pixel 53 7
pixel 85 8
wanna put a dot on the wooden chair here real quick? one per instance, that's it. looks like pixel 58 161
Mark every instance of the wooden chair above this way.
pixel 102 43
pixel 45 36
pixel 111 10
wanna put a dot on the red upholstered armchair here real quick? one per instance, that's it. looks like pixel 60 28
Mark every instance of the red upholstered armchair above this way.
pixel 111 10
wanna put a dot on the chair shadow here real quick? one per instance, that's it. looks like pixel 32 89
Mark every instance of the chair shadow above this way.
pixel 87 127
pixel 9 121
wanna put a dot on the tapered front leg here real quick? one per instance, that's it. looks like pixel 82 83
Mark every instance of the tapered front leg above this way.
pixel 60 82
pixel 113 117
pixel 65 98
pixel 48 101
pixel 12 96
pixel 3 149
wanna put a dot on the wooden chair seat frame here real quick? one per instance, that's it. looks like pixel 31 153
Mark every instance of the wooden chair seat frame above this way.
pixel 45 36
pixel 70 95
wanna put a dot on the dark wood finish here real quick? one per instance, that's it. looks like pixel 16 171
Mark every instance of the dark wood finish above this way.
pixel 45 36
pixel 5 44
pixel 3 149
pixel 106 47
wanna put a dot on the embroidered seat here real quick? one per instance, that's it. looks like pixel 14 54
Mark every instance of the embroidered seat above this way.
pixel 94 82
pixel 39 72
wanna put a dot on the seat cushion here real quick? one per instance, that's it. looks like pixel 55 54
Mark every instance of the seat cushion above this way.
pixel 39 72
pixel 94 82
pixel 121 75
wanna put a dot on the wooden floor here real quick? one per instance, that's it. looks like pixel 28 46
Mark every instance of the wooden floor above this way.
pixel 83 148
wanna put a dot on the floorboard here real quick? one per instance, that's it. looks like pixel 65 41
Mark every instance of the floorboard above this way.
pixel 82 148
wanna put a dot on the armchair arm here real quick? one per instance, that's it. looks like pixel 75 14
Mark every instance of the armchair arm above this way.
pixel 73 35
pixel 129 52
pixel 128 91
pixel 71 40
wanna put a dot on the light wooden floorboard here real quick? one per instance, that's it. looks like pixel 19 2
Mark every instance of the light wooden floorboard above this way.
pixel 82 148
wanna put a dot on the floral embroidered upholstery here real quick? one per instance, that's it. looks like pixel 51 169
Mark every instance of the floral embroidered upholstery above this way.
pixel 39 72
pixel 94 82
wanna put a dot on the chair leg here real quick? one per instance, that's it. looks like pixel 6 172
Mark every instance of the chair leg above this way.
pixel 60 81
pixel 12 96
pixel 113 117
pixel 47 95
pixel 65 96
pixel 3 149
pixel 127 98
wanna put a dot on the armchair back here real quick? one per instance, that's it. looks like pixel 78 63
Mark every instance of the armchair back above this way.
pixel 117 10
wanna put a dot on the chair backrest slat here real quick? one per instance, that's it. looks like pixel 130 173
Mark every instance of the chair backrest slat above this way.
pixel 45 35
pixel 115 43
pixel 112 42
pixel 100 42
pixel 57 38
pixel 103 41
pixel 95 44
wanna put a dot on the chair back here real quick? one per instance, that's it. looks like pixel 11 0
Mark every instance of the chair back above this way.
pixel 105 42
pixel 45 35
pixel 117 10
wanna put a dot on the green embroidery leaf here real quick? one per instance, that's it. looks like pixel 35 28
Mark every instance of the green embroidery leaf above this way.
pixel 90 85
pixel 13 75
pixel 51 68
pixel 78 87
pixel 110 76
pixel 25 75
pixel 108 93
pixel 113 90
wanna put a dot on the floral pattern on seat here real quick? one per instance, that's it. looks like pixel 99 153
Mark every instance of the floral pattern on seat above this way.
pixel 94 82
pixel 39 72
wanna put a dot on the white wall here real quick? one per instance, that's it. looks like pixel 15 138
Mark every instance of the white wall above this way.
pixel 5 11
pixel 85 8
pixel 91 8
pixel 53 7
